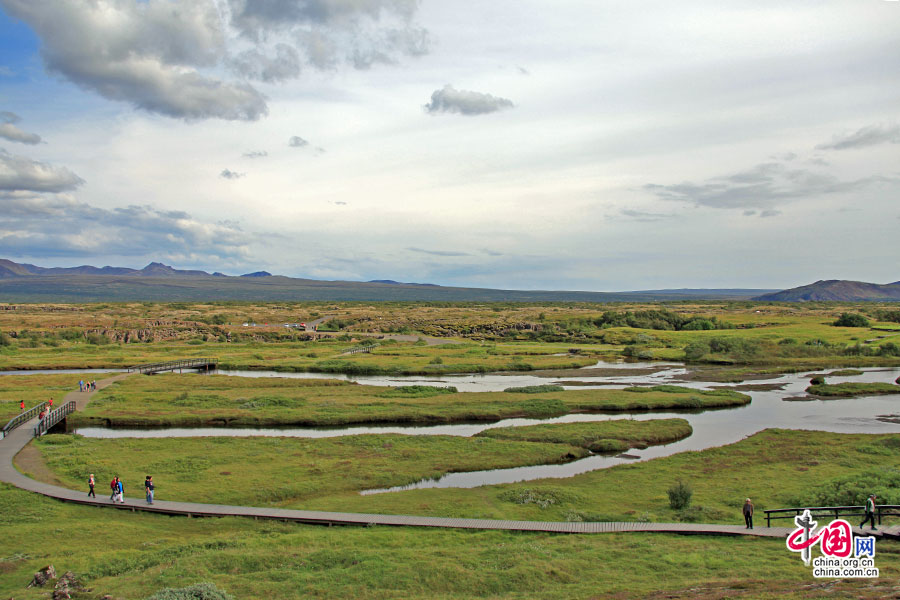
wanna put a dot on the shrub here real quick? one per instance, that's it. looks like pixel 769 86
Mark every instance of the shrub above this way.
pixel 5 340
pixel 198 591
pixel 535 389
pixel 680 495
pixel 696 350
pixel 851 320
pixel 97 339
pixel 889 349
pixel 853 489
pixel 416 391
pixel 817 380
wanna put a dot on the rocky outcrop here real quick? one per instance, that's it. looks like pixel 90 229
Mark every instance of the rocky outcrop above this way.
pixel 67 585
pixel 43 576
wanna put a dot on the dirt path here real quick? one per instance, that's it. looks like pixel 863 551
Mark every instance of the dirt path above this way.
pixel 31 462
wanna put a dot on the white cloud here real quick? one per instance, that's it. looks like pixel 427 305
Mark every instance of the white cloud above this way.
pixel 18 173
pixel 450 100
pixel 871 135
pixel 164 56
pixel 9 131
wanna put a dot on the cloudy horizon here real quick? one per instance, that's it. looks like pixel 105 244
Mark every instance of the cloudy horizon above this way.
pixel 598 146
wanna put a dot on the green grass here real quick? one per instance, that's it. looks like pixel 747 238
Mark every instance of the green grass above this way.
pixel 776 468
pixel 491 337
pixel 603 436
pixel 283 471
pixel 33 389
pixel 132 555
pixel 849 390
pixel 195 400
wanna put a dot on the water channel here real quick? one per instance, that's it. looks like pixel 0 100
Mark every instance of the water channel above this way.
pixel 783 404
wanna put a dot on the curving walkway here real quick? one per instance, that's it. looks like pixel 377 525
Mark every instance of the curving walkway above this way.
pixel 12 444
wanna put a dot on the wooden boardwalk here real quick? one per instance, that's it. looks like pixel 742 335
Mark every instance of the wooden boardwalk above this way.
pixel 18 438
pixel 200 364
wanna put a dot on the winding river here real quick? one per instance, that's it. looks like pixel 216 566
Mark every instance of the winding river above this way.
pixel 782 404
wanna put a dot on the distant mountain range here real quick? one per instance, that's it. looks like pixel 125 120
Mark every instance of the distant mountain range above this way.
pixel 159 282
pixel 837 290
pixel 10 269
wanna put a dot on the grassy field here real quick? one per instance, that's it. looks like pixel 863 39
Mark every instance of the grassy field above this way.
pixel 131 555
pixel 753 337
pixel 776 468
pixel 194 400
pixel 33 389
pixel 291 471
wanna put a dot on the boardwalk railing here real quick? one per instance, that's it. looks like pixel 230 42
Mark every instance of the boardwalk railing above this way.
pixel 18 420
pixel 832 512
pixel 47 423
pixel 358 349
pixel 185 363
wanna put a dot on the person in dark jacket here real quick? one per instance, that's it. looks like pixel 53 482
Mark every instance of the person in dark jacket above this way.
pixel 748 513
pixel 870 512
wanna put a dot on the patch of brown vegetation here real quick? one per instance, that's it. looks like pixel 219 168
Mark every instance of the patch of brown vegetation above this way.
pixel 31 462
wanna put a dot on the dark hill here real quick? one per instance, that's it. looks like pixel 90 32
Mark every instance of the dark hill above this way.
pixel 156 269
pixel 257 274
pixel 159 282
pixel 836 290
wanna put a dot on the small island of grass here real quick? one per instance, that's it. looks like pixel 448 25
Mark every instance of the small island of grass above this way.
pixel 851 390
pixel 603 436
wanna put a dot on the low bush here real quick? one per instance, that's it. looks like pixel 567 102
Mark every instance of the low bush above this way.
pixel 535 389
pixel 851 320
pixel 680 495
pixel 198 591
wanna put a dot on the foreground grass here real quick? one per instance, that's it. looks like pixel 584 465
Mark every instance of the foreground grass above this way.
pixel 131 555
pixel 605 436
pixel 196 400
pixel 852 389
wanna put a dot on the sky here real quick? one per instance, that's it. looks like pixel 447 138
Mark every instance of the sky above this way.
pixel 598 145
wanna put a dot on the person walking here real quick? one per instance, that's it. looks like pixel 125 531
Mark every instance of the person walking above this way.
pixel 22 405
pixel 51 404
pixel 81 385
pixel 121 489
pixel 870 512
pixel 91 485
pixel 148 487
pixel 114 486
pixel 748 513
